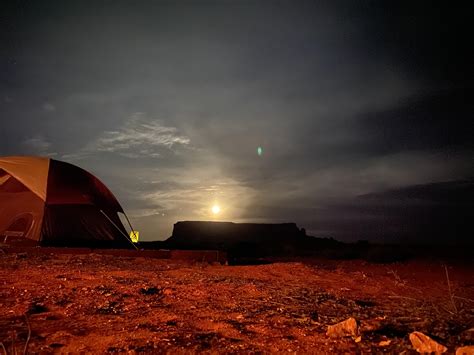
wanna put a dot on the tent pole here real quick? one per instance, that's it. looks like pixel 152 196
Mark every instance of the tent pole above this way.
pixel 126 237
pixel 128 221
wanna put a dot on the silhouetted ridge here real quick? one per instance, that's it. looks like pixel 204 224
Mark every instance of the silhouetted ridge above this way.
pixel 242 239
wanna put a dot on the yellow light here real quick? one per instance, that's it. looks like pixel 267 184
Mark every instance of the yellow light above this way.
pixel 215 209
pixel 134 236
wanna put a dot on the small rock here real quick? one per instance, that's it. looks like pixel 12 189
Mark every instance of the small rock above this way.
pixel 56 345
pixel 424 344
pixel 150 290
pixel 343 329
pixel 37 307
pixel 465 350
pixel 385 342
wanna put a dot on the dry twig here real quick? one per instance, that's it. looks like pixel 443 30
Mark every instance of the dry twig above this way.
pixel 449 289
pixel 406 298
pixel 13 342
pixel 398 279
pixel 3 347
pixel 25 349
pixel 463 298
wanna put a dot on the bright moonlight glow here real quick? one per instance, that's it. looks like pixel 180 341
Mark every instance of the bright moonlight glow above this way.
pixel 215 209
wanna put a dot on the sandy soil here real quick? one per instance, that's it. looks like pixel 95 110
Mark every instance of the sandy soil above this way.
pixel 99 303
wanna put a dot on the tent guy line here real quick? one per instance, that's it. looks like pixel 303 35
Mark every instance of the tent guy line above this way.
pixel 126 237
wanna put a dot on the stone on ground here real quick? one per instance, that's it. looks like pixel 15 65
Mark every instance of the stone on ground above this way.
pixel 465 350
pixel 424 344
pixel 344 329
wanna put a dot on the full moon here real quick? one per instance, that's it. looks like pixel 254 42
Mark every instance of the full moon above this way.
pixel 215 209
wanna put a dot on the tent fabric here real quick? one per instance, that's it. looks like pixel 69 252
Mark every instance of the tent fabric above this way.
pixel 31 171
pixel 62 206
pixel 14 206
pixel 86 226
pixel 69 184
pixel 17 204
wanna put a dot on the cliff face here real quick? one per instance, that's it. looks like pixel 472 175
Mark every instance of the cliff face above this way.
pixel 247 239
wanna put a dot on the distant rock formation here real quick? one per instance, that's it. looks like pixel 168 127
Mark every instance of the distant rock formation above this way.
pixel 240 239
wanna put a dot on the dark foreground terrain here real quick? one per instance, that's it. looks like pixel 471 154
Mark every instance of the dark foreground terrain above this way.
pixel 101 303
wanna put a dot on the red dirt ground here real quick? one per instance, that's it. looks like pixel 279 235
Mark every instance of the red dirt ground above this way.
pixel 102 303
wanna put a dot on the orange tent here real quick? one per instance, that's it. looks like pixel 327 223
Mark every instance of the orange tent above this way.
pixel 52 203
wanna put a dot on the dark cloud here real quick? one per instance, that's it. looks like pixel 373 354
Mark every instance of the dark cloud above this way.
pixel 167 102
pixel 436 121
pixel 436 212
pixel 439 211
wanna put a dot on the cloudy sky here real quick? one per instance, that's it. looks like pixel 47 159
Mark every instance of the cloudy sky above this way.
pixel 363 109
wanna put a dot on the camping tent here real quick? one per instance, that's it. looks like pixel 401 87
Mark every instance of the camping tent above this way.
pixel 52 203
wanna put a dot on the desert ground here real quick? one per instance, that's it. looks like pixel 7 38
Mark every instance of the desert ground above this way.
pixel 94 303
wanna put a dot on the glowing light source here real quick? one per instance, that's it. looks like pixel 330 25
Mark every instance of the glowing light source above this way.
pixel 259 151
pixel 134 236
pixel 215 209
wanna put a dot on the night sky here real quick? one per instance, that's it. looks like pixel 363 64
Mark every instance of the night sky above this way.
pixel 362 109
